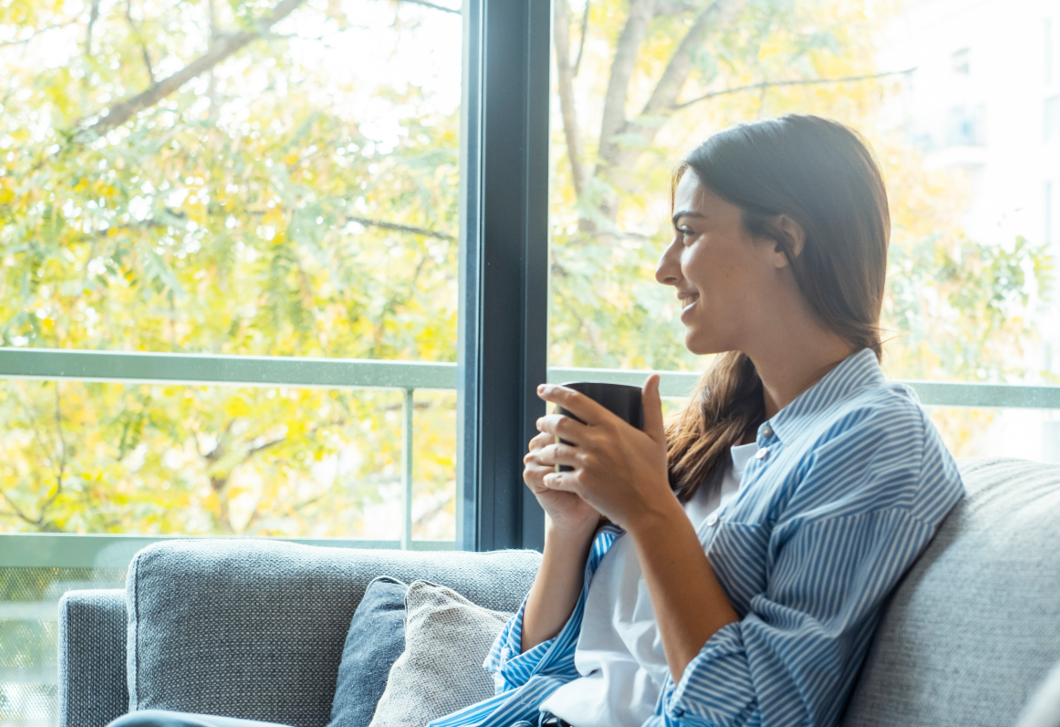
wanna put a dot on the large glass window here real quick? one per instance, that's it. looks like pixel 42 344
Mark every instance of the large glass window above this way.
pixel 951 96
pixel 229 178
pixel 260 179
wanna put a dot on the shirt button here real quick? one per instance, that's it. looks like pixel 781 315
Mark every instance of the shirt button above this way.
pixel 762 454
pixel 712 520
pixel 767 431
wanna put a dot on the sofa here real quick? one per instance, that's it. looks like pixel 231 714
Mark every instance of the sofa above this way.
pixel 255 629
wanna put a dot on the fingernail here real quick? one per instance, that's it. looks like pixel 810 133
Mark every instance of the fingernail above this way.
pixel 541 388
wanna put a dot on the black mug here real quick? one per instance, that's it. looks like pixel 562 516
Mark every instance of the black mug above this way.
pixel 621 400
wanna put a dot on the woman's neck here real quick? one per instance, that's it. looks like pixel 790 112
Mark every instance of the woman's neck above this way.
pixel 788 371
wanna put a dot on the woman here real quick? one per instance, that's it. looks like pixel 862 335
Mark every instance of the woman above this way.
pixel 755 538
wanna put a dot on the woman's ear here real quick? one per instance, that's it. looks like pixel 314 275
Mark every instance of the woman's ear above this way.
pixel 793 234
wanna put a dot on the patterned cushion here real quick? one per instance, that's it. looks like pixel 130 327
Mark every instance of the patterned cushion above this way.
pixel 374 642
pixel 255 629
pixel 975 624
pixel 446 640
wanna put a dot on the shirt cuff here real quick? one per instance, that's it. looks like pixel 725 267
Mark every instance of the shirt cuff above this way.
pixel 716 686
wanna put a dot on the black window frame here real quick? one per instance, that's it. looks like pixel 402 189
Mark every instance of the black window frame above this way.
pixel 503 324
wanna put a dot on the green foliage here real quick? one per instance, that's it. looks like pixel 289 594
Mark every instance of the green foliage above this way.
pixel 233 217
pixel 284 203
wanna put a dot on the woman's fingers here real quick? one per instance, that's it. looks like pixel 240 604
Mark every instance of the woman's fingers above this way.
pixel 562 481
pixel 554 454
pixel 557 425
pixel 654 426
pixel 575 402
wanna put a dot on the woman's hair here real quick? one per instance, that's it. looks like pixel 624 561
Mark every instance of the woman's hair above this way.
pixel 823 176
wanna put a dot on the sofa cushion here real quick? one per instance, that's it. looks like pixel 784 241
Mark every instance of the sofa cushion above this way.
pixel 974 626
pixel 374 642
pixel 91 635
pixel 1043 710
pixel 446 640
pixel 255 628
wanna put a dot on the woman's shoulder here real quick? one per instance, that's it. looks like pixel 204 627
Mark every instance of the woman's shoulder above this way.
pixel 879 450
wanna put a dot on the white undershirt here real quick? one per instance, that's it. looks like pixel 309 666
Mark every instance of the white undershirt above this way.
pixel 620 654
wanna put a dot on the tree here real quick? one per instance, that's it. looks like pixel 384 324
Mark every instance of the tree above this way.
pixel 235 206
pixel 957 308
pixel 202 176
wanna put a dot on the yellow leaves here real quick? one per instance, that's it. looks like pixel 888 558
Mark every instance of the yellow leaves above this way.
pixel 237 406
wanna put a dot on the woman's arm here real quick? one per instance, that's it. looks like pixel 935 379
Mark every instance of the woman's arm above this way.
pixel 689 603
pixel 621 472
pixel 572 524
pixel 557 586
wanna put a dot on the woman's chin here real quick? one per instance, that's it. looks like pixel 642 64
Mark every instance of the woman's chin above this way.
pixel 701 345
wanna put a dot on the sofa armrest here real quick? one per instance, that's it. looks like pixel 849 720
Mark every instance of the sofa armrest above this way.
pixel 92 684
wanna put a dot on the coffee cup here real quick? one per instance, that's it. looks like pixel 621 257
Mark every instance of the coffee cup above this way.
pixel 621 400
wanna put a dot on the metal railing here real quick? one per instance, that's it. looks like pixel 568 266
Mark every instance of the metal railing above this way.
pixel 110 554
pixel 39 550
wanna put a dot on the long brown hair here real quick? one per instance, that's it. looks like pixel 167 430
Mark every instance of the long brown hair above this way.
pixel 824 177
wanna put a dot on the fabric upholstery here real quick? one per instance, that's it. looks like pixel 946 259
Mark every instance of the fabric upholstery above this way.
pixel 375 640
pixel 255 629
pixel 92 658
pixel 446 640
pixel 1043 710
pixel 975 625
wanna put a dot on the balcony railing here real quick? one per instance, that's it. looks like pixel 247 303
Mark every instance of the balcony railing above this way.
pixel 102 559
pixel 18 550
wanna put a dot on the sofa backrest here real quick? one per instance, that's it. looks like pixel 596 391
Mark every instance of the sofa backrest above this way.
pixel 975 625
pixel 255 629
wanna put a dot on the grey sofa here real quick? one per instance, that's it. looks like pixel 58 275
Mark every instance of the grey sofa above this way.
pixel 255 629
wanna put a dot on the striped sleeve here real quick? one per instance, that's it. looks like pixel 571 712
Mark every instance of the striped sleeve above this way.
pixel 511 667
pixel 835 553
pixel 525 680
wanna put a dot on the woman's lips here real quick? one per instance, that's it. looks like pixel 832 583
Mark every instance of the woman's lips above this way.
pixel 689 304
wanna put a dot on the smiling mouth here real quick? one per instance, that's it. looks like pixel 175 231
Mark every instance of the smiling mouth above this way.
pixel 688 301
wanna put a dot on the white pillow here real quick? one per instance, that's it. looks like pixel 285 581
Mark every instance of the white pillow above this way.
pixel 1043 710
pixel 446 640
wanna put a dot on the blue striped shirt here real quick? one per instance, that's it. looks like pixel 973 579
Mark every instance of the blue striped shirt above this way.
pixel 851 483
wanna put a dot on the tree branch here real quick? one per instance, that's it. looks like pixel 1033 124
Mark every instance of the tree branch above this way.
pixel 622 67
pixel 122 111
pixel 62 457
pixel 35 33
pixel 680 66
pixel 18 511
pixel 93 16
pixel 774 84
pixel 673 79
pixel 401 228
pixel 561 29
pixel 433 6
pixel 140 40
pixel 581 39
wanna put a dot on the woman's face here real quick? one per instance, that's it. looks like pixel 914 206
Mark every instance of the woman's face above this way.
pixel 723 276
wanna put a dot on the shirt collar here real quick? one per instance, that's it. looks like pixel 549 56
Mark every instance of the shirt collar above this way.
pixel 857 372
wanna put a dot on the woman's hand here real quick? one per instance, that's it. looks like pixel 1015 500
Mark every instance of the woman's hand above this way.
pixel 567 511
pixel 618 470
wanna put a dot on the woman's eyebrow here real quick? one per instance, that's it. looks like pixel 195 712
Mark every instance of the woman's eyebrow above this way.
pixel 688 213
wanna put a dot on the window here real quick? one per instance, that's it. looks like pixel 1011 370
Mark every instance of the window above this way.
pixel 965 126
pixel 959 62
pixel 969 284
pixel 308 293
pixel 1049 53
pixel 294 198
pixel 1051 121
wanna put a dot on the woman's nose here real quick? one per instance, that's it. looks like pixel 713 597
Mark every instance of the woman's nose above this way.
pixel 668 271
